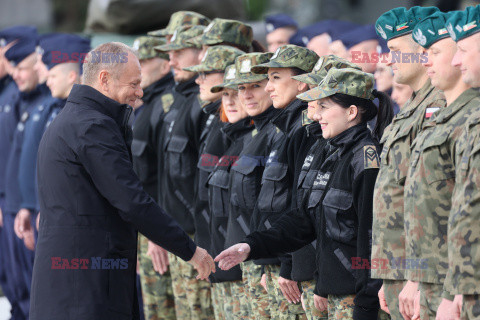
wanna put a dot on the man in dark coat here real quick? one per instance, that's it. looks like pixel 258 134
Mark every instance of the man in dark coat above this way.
pixel 92 203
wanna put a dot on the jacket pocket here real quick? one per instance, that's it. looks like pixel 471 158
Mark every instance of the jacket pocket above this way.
pixel 389 156
pixel 218 190
pixel 140 164
pixel 274 192
pixel 435 157
pixel 244 183
pixel 339 226
pixel 180 163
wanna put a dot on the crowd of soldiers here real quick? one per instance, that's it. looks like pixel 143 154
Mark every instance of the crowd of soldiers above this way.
pixel 333 175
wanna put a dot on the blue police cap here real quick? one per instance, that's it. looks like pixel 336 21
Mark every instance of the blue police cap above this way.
pixel 13 33
pixel 24 47
pixel 334 28
pixel 60 48
pixel 281 20
pixel 360 34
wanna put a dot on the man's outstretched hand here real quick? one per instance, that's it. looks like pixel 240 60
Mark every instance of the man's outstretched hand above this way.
pixel 203 263
pixel 232 256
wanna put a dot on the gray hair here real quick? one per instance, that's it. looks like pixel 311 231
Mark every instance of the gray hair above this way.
pixel 110 56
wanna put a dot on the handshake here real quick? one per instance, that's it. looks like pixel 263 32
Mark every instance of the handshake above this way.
pixel 227 259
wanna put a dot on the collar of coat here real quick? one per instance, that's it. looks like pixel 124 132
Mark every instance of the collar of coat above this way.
pixel 88 96
pixel 236 130
pixel 290 115
pixel 187 87
pixel 265 117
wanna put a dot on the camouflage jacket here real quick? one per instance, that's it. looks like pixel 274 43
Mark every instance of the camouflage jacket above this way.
pixel 388 243
pixel 463 276
pixel 429 188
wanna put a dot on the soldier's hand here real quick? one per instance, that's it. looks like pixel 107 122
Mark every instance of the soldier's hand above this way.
pixel 416 307
pixel 203 263
pixel 232 256
pixel 159 257
pixel 290 290
pixel 457 306
pixel 303 303
pixel 263 282
pixel 383 302
pixel 320 303
pixel 37 222
pixel 1 218
pixel 445 309
pixel 22 223
pixel 29 239
pixel 407 299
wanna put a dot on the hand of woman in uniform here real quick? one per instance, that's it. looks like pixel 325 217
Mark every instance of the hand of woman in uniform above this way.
pixel 232 256
pixel 290 290
pixel 320 303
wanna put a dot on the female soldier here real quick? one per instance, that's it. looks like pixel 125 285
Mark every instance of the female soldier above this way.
pixel 276 190
pixel 246 173
pixel 228 291
pixel 340 199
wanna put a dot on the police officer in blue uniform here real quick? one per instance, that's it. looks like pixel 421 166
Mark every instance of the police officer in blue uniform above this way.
pixel 22 57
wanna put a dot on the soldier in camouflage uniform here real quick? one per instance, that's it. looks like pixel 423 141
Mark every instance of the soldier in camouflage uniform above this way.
pixel 431 175
pixel 157 83
pixel 225 32
pixel 463 276
pixel 388 243
pixel 180 19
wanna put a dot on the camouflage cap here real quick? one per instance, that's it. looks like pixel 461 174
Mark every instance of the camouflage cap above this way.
pixel 400 21
pixel 180 19
pixel 228 80
pixel 232 32
pixel 289 56
pixel 321 68
pixel 463 24
pixel 431 29
pixel 217 58
pixel 180 37
pixel 348 81
pixel 144 46
pixel 243 66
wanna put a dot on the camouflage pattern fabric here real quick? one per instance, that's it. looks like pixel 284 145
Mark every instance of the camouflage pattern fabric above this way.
pixel 181 19
pixel 216 59
pixel 257 297
pixel 321 68
pixel 463 276
pixel 218 301
pixel 228 79
pixel 238 303
pixel 157 292
pixel 388 234
pixel 430 299
pixel 429 189
pixel 312 313
pixel 225 31
pixel 289 56
pixel 281 308
pixel 145 45
pixel 180 37
pixel 352 82
pixel 340 307
pixel 471 307
pixel 193 299
pixel 392 289
pixel 243 67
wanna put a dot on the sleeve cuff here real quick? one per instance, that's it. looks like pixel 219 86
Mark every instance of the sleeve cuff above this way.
pixel 286 269
pixel 447 295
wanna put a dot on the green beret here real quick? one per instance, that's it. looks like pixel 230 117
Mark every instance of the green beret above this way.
pixel 400 21
pixel 462 24
pixel 289 56
pixel 431 29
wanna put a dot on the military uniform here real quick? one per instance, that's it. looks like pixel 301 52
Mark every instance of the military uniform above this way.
pixel 181 19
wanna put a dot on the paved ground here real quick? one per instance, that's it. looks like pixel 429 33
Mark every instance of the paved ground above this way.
pixel 4 309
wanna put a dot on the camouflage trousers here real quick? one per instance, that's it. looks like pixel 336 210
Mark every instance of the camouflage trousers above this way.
pixel 193 299
pixel 312 313
pixel 280 308
pixel 157 292
pixel 228 301
pixel 392 289
pixel 471 307
pixel 257 297
pixel 340 307
pixel 430 299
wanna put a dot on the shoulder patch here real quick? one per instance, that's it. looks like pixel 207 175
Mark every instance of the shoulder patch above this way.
pixel 370 157
pixel 254 132
pixel 167 101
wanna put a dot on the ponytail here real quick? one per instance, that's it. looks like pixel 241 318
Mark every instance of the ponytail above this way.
pixel 257 46
pixel 384 114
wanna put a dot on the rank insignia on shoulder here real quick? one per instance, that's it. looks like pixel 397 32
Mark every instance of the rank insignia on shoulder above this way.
pixel 167 101
pixel 370 157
